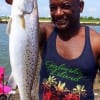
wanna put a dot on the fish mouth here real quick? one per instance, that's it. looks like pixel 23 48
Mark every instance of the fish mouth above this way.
pixel 27 7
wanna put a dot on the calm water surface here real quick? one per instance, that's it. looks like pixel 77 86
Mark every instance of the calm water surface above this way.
pixel 4 53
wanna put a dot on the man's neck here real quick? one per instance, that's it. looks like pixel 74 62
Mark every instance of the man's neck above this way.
pixel 69 32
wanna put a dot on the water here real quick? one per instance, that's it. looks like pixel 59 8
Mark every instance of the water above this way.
pixel 4 48
pixel 96 28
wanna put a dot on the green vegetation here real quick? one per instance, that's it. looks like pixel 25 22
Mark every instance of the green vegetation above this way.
pixel 44 19
pixel 4 17
pixel 82 19
pixel 90 20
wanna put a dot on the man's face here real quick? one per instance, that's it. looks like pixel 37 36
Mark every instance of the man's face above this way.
pixel 65 13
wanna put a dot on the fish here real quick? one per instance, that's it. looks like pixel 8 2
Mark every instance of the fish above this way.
pixel 23 29
pixel 11 82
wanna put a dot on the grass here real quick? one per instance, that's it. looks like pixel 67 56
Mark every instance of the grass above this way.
pixel 42 19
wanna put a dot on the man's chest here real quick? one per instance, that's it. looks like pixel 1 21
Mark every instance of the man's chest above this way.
pixel 70 49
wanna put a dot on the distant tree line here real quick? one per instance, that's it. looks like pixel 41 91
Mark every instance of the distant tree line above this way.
pixel 89 18
pixel 4 17
pixel 81 18
pixel 48 18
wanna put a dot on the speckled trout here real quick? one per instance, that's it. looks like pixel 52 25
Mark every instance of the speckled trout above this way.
pixel 23 44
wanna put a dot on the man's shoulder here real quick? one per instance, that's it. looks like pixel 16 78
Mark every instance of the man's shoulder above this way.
pixel 95 36
pixel 95 40
pixel 46 28
pixel 46 25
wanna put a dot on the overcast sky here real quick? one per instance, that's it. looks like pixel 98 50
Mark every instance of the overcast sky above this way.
pixel 92 8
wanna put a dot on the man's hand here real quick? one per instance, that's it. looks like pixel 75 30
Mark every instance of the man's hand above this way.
pixel 9 1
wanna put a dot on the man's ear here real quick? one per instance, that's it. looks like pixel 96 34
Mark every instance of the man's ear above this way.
pixel 81 5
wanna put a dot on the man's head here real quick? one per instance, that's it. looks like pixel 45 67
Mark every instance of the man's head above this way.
pixel 66 13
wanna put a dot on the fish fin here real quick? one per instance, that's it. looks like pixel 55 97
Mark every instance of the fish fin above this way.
pixel 22 21
pixel 9 26
pixel 11 82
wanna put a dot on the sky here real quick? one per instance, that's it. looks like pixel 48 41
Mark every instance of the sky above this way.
pixel 91 8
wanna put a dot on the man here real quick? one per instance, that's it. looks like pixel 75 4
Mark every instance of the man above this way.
pixel 70 54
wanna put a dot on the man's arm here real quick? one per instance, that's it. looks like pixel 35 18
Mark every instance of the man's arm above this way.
pixel 98 48
pixel 95 42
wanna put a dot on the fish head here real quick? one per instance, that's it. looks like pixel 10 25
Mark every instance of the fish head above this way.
pixel 20 8
pixel 24 6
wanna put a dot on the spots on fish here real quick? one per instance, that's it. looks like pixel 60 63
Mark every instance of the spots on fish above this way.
pixel 30 60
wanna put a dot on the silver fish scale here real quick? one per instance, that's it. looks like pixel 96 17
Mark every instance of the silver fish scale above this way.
pixel 31 52
pixel 35 87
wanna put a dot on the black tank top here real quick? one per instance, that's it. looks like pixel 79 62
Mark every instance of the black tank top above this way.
pixel 63 79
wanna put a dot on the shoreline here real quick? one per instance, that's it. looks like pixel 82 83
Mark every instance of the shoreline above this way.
pixel 3 22
pixel 85 23
pixel 90 23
